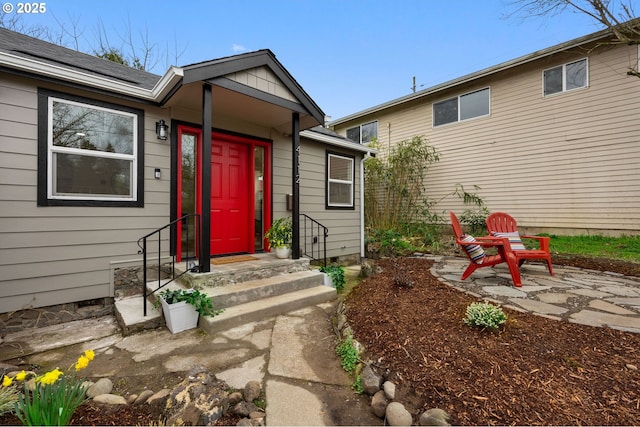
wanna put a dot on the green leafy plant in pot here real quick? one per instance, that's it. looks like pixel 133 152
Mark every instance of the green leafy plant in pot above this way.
pixel 279 236
pixel 182 307
pixel 336 275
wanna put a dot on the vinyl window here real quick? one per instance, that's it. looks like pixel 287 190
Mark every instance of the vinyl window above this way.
pixel 340 181
pixel 363 134
pixel 566 77
pixel 463 107
pixel 92 154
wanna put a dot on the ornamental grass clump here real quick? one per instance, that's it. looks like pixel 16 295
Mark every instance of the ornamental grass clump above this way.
pixel 51 398
pixel 485 315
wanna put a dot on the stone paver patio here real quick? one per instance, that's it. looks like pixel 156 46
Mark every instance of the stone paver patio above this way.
pixel 576 295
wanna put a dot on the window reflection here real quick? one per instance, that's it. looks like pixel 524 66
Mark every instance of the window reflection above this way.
pixel 189 144
pixel 258 175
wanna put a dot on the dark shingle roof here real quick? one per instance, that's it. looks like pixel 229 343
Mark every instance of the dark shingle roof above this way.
pixel 31 48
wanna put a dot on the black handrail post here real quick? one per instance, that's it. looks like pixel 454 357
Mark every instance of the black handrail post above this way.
pixel 159 255
pixel 144 275
pixel 326 233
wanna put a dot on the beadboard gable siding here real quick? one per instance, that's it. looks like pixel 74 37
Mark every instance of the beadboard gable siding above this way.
pixel 566 162
pixel 57 254
pixel 262 78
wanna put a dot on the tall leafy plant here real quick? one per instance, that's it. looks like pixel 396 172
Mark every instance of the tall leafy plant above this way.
pixel 394 185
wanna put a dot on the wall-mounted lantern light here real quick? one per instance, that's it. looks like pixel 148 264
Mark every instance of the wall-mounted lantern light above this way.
pixel 157 174
pixel 162 130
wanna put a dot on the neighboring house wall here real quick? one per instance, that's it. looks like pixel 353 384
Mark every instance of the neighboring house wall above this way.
pixel 343 241
pixel 56 254
pixel 567 162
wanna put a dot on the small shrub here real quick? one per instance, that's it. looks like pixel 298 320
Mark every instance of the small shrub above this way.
pixel 485 315
pixel 388 242
pixel 475 219
pixel 402 280
pixel 348 355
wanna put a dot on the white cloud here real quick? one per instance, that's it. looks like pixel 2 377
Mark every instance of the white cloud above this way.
pixel 237 48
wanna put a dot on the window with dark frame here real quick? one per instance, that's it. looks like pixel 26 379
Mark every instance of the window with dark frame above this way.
pixel 340 181
pixel 90 152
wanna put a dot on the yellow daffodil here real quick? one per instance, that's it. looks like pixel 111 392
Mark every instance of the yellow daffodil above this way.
pixel 21 375
pixel 51 376
pixel 6 381
pixel 82 362
pixel 90 354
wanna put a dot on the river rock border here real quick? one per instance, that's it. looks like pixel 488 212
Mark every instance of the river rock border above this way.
pixel 374 383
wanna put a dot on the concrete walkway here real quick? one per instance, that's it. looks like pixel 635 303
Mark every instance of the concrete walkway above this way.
pixel 293 354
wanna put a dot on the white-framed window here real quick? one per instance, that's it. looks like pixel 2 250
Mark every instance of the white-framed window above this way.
pixel 340 181
pixel 363 134
pixel 464 107
pixel 92 151
pixel 565 77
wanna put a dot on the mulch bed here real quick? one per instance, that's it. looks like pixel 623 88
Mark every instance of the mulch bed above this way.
pixel 533 371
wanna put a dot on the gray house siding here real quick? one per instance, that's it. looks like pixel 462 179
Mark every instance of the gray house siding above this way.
pixel 56 254
pixel 344 225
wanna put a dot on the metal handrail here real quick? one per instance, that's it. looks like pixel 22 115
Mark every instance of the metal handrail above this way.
pixel 143 250
pixel 310 233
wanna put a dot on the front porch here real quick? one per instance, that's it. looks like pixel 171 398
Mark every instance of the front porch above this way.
pixel 247 287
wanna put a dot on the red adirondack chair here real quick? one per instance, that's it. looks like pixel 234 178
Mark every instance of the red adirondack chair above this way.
pixel 474 249
pixel 500 224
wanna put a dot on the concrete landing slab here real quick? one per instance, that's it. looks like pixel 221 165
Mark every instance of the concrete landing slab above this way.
pixel 39 340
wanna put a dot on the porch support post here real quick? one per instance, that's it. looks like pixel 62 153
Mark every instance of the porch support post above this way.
pixel 295 184
pixel 205 229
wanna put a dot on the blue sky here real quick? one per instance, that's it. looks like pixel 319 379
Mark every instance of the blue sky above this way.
pixel 348 55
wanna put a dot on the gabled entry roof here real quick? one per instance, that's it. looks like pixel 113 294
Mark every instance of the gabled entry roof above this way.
pixel 218 72
pixel 246 82
pixel 27 55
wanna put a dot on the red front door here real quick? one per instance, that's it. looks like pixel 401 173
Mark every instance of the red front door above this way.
pixel 230 197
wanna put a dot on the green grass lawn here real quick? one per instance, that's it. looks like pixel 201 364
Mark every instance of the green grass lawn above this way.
pixel 623 248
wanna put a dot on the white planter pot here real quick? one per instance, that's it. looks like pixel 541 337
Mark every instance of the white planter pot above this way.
pixel 179 316
pixel 327 280
pixel 283 252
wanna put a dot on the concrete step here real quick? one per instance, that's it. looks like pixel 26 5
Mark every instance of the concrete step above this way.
pixel 254 311
pixel 242 302
pixel 254 290
pixel 261 267
pixel 130 318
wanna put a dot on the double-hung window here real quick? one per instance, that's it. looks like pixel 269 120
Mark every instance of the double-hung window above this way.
pixel 566 77
pixel 90 152
pixel 363 134
pixel 463 107
pixel 340 181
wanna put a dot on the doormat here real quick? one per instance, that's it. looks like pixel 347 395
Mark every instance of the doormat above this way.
pixel 232 259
